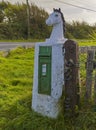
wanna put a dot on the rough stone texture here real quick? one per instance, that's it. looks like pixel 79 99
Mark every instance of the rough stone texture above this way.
pixel 45 104
pixel 84 49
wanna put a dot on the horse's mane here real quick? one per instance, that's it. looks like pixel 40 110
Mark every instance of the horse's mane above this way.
pixel 59 11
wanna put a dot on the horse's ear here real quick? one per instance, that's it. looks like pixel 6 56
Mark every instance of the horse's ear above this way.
pixel 59 9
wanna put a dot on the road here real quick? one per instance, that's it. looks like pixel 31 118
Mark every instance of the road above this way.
pixel 12 45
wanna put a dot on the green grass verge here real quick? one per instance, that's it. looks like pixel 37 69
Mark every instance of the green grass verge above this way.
pixel 16 79
pixel 86 42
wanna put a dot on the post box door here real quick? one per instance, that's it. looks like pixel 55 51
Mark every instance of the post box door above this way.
pixel 44 86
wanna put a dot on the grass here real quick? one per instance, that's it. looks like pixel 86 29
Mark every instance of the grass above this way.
pixel 86 42
pixel 16 79
pixel 15 84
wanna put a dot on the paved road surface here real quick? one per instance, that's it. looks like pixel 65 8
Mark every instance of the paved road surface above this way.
pixel 12 45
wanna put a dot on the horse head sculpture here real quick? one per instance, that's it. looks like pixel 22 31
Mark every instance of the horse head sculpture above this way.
pixel 56 19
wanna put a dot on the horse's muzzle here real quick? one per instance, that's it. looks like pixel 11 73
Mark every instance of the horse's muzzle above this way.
pixel 49 22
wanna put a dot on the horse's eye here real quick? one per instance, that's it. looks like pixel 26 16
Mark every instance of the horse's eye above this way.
pixel 56 15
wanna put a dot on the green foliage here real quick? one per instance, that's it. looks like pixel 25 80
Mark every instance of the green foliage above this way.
pixel 92 34
pixel 14 24
pixel 1 16
pixel 37 20
pixel 79 30
pixel 14 17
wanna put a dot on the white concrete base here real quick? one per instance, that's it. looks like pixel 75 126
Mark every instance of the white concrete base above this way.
pixel 45 104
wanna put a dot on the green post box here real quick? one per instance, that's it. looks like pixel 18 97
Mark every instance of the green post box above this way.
pixel 44 70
